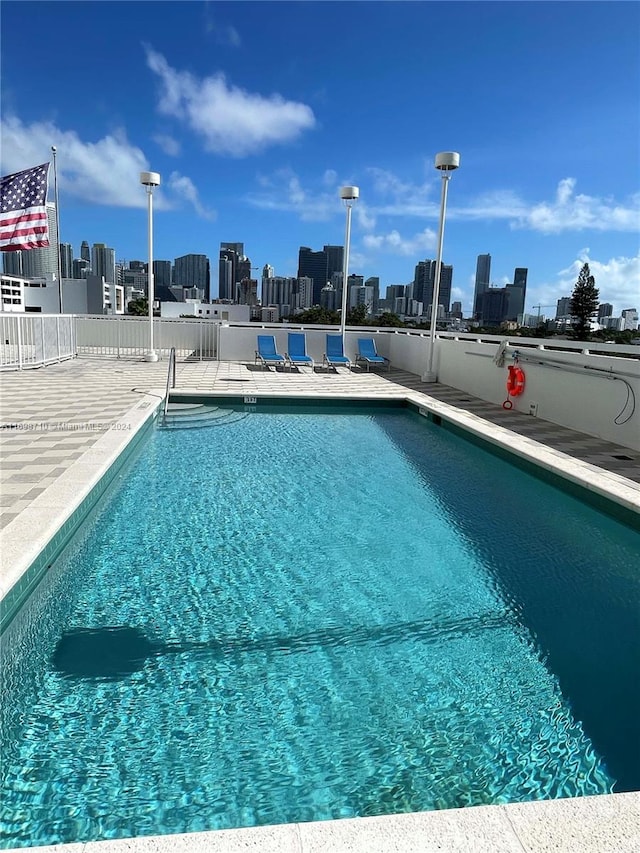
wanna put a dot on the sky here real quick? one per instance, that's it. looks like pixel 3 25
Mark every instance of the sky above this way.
pixel 256 113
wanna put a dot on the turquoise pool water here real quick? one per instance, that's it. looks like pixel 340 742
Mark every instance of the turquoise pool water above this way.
pixel 319 615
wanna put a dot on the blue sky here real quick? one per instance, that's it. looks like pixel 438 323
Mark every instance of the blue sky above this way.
pixel 256 113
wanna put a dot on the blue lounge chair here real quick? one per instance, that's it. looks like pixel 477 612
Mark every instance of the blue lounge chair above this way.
pixel 334 356
pixel 297 350
pixel 267 354
pixel 368 354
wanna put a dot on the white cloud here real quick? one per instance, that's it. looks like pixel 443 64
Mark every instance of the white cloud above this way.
pixel 230 120
pixel 105 172
pixel 396 244
pixel 168 144
pixel 283 191
pixel 571 212
pixel 616 279
pixel 185 188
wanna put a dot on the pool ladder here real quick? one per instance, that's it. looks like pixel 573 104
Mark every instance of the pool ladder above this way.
pixel 171 378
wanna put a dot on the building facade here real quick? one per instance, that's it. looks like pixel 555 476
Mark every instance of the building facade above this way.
pixel 483 277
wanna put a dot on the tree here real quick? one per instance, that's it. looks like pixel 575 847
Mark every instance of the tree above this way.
pixel 138 307
pixel 584 303
pixel 357 316
pixel 318 315
pixel 390 320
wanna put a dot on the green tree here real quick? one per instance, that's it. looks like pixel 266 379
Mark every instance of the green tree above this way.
pixel 138 307
pixel 584 303
pixel 357 316
pixel 389 319
pixel 317 315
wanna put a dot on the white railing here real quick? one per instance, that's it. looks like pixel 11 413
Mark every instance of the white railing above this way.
pixel 33 340
pixel 128 337
pixel 593 388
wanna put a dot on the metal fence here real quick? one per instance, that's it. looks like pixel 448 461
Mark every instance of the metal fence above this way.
pixel 128 337
pixel 32 340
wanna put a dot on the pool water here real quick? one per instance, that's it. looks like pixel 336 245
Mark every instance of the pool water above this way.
pixel 318 615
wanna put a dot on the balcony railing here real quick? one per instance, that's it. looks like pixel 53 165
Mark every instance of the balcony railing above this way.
pixel 589 387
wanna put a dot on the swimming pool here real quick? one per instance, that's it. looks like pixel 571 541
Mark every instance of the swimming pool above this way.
pixel 321 615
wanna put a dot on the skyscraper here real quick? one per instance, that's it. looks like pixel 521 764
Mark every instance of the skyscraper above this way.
pixel 605 309
pixel 483 277
pixel 162 273
pixel 313 265
pixel 80 268
pixel 103 262
pixel 12 263
pixel 192 271
pixel 85 251
pixel 230 254
pixel 335 259
pixel 39 262
pixel 66 260
pixel 424 282
pixel 517 293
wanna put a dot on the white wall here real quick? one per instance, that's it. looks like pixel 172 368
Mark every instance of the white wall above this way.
pixel 567 388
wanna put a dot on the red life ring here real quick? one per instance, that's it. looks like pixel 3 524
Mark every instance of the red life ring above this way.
pixel 515 381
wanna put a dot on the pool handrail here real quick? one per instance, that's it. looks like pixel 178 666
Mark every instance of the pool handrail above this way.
pixel 171 377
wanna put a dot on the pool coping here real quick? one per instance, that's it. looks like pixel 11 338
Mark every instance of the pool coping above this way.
pixel 589 825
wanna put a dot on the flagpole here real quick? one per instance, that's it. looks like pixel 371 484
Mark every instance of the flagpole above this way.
pixel 55 184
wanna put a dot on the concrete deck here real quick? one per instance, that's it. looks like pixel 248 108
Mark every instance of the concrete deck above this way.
pixel 63 425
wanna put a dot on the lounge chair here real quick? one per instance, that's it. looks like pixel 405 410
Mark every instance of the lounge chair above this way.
pixel 297 350
pixel 267 353
pixel 334 356
pixel 368 354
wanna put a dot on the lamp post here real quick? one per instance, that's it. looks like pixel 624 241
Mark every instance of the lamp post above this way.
pixel 349 195
pixel 150 180
pixel 446 162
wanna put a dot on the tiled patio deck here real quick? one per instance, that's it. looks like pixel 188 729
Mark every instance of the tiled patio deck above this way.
pixel 54 417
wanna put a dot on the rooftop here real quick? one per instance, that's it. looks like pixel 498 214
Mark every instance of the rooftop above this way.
pixel 63 426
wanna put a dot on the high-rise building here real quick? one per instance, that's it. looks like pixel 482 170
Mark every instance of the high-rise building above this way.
pixel 103 262
pixel 493 306
pixel 313 265
pixel 12 263
pixel 243 269
pixel 85 251
pixel 395 291
pixel 335 259
pixel 516 293
pixel 629 319
pixel 423 279
pixel 303 293
pixel 456 310
pixel 247 291
pixel 66 260
pixel 563 307
pixel 193 271
pixel 605 309
pixel 42 262
pixel 374 282
pixel 162 273
pixel 80 268
pixel 424 282
pixel 483 277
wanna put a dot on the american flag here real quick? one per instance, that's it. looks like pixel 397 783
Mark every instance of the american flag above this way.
pixel 23 210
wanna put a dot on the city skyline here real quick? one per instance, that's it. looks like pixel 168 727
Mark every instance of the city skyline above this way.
pixel 253 144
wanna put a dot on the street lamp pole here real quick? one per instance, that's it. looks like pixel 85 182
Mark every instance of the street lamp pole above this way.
pixel 150 180
pixel 349 195
pixel 446 162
